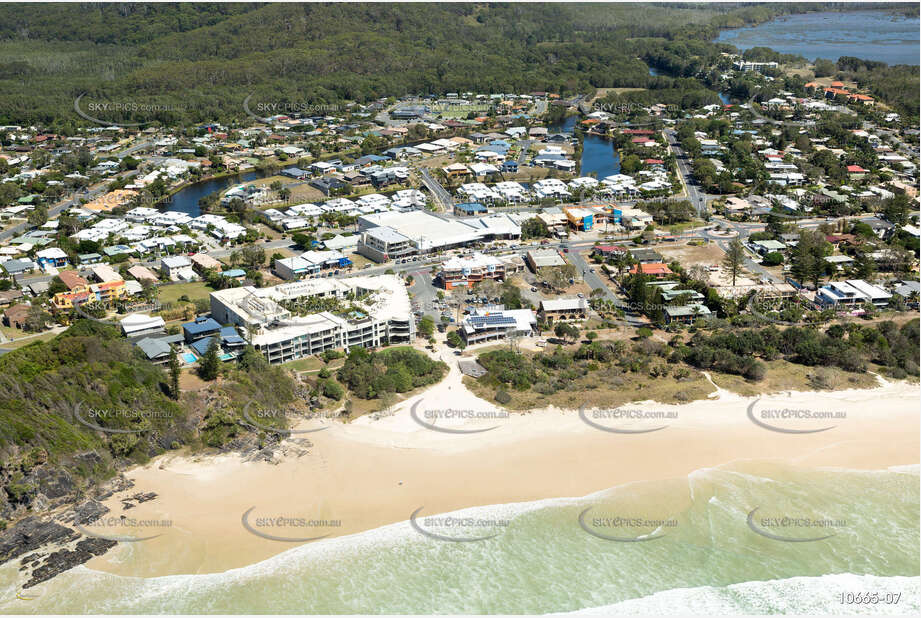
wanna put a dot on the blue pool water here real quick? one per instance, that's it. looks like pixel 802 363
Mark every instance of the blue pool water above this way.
pixel 189 357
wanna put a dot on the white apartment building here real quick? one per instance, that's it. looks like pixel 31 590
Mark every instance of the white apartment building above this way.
pixel 383 316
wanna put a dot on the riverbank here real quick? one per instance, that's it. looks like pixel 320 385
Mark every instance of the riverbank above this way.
pixel 371 473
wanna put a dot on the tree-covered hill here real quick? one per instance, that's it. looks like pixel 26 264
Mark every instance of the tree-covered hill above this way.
pixel 199 61
pixel 79 407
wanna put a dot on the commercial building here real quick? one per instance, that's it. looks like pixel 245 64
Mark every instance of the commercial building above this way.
pixel 467 271
pixel 581 219
pixel 544 258
pixel 381 314
pixel 309 263
pixel 491 324
pixel 389 235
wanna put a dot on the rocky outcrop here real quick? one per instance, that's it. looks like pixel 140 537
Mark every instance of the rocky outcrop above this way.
pixel 62 560
pixel 30 534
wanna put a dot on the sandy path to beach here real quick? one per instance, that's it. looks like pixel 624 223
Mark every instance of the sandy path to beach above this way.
pixel 375 472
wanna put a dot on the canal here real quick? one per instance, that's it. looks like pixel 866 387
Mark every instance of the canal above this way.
pixel 186 200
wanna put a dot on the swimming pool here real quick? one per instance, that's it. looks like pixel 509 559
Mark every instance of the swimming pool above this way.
pixel 189 357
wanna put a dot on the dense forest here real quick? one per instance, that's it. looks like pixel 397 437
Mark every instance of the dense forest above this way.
pixel 198 62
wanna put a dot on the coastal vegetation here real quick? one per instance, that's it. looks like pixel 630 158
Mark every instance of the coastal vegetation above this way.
pixel 189 64
pixel 85 403
pixel 612 371
pixel 370 374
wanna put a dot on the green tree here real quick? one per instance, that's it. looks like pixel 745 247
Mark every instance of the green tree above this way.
pixel 455 340
pixel 210 364
pixel 252 257
pixel 37 319
pixel 734 259
pixel 174 372
pixel 567 331
pixel 534 228
pixel 426 327
pixel 333 389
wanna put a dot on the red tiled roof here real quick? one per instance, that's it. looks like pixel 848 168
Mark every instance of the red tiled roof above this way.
pixel 72 280
pixel 656 268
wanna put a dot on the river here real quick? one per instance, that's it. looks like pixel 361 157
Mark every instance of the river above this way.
pixel 598 154
pixel 186 200
pixel 871 35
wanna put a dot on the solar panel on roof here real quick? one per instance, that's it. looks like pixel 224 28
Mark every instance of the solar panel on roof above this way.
pixel 492 320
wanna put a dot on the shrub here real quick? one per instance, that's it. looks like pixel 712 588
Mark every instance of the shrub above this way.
pixel 333 390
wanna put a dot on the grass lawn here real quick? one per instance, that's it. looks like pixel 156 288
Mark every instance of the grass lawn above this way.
pixel 305 193
pixel 23 339
pixel 193 289
pixel 360 261
pixel 311 363
pixel 678 228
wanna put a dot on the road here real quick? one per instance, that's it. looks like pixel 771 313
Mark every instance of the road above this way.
pixel 56 209
pixel 439 193
pixel 525 145
pixel 594 281
pixel 698 198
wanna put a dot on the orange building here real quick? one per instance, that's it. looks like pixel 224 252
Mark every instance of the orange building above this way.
pixel 106 293
pixel 658 270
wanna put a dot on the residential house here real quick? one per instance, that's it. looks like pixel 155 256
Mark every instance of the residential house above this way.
pixel 16 316
pixel 199 328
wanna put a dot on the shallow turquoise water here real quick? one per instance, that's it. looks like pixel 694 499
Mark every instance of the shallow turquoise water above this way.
pixel 706 556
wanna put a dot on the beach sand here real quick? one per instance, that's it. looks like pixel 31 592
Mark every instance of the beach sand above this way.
pixel 374 472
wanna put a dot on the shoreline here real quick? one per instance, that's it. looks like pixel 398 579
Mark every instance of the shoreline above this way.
pixel 373 473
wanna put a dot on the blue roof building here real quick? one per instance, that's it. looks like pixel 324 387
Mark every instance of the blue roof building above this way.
pixel 469 208
pixel 199 328
pixel 230 343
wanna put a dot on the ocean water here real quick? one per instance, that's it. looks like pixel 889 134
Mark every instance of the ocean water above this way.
pixel 679 546
pixel 871 35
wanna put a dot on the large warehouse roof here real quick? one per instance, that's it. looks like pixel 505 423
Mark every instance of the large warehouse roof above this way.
pixel 424 230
